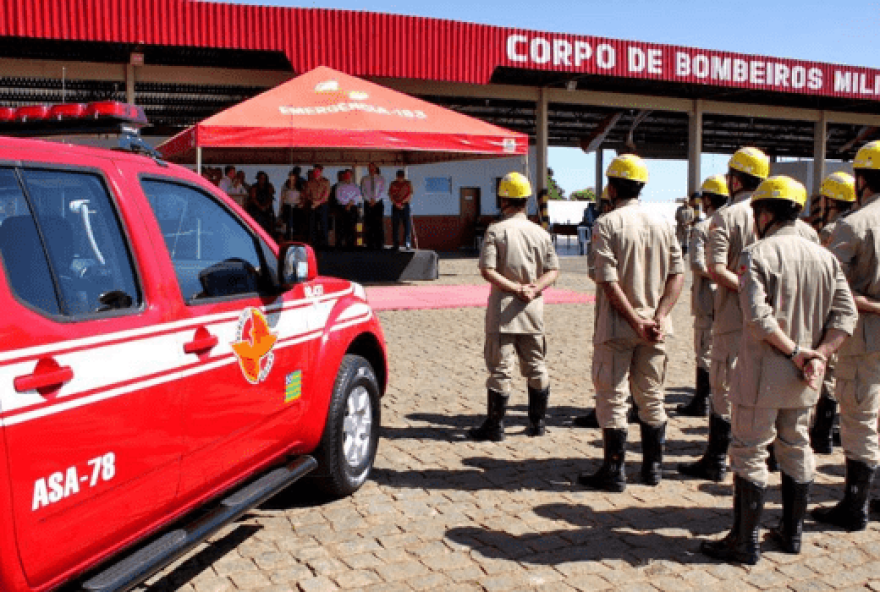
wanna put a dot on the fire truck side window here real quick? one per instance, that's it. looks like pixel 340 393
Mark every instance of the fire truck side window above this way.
pixel 24 258
pixel 213 254
pixel 62 245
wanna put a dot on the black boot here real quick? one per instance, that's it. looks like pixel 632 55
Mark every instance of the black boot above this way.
pixel 587 421
pixel 610 476
pixel 633 416
pixel 795 497
pixel 772 463
pixel 699 404
pixel 851 513
pixel 741 544
pixel 653 440
pixel 820 436
pixel 493 428
pixel 713 464
pixel 537 410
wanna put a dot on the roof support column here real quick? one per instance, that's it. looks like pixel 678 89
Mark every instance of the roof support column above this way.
pixel 820 133
pixel 541 138
pixel 599 173
pixel 695 146
pixel 129 84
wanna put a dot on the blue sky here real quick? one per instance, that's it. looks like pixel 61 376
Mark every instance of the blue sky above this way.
pixel 845 31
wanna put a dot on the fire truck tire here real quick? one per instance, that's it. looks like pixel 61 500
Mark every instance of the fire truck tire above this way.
pixel 351 434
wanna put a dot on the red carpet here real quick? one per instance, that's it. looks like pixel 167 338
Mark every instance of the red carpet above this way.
pixel 430 297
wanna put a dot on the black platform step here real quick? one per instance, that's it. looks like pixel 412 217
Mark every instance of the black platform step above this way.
pixel 386 265
pixel 134 569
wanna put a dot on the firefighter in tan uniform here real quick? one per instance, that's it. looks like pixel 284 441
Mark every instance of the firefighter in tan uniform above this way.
pixel 856 244
pixel 714 195
pixel 519 261
pixel 589 419
pixel 838 196
pixel 729 232
pixel 797 310
pixel 639 271
pixel 685 216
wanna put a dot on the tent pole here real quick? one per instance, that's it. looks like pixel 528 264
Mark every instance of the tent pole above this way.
pixel 199 160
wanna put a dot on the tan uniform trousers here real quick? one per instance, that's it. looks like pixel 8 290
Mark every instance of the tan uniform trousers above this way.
pixel 502 350
pixel 725 351
pixel 858 394
pixel 756 428
pixel 624 366
pixel 703 348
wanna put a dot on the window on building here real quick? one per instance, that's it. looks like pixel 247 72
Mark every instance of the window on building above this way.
pixel 438 184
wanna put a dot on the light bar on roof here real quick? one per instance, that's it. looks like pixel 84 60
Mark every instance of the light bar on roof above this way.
pixel 71 118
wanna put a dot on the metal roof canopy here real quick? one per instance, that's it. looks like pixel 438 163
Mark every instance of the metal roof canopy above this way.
pixel 194 66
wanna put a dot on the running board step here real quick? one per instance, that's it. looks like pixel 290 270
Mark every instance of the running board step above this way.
pixel 134 569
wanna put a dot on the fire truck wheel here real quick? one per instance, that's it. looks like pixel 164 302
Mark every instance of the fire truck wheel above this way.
pixel 351 434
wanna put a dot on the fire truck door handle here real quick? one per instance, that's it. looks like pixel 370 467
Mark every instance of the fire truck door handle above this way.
pixel 200 345
pixel 44 379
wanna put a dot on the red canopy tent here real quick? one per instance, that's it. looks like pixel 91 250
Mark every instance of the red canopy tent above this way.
pixel 327 117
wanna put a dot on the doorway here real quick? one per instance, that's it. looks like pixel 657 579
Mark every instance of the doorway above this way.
pixel 469 215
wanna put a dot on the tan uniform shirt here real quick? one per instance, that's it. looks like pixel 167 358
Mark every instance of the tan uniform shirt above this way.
pixel 702 288
pixel 793 284
pixel 521 251
pixel 856 244
pixel 826 232
pixel 733 229
pixel 317 191
pixel 684 217
pixel 639 251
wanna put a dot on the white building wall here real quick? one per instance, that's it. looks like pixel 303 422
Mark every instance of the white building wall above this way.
pixel 802 170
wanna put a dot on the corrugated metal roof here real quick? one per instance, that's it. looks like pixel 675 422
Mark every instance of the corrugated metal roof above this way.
pixel 375 44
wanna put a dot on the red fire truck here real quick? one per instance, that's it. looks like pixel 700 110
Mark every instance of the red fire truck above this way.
pixel 158 353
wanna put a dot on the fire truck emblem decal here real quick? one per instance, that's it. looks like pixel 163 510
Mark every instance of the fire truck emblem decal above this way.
pixel 253 345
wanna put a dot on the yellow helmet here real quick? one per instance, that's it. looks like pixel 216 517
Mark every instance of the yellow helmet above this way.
pixel 840 186
pixel 629 167
pixel 716 184
pixel 750 161
pixel 868 156
pixel 514 186
pixel 781 187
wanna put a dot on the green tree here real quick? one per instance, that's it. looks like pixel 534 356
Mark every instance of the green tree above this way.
pixel 588 194
pixel 556 192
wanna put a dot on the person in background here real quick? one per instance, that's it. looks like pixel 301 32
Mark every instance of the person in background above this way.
pixel 856 244
pixel 838 195
pixel 225 183
pixel 519 261
pixel 372 188
pixel 714 196
pixel 348 198
pixel 317 194
pixel 400 192
pixel 300 180
pixel 292 211
pixel 238 189
pixel 261 203
pixel 684 219
pixel 639 274
pixel 797 310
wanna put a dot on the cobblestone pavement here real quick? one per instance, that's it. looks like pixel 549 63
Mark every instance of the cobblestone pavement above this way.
pixel 443 513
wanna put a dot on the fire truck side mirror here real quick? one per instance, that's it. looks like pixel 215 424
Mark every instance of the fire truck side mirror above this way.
pixel 297 264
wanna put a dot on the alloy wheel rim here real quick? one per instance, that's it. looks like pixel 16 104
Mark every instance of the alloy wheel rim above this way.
pixel 357 426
